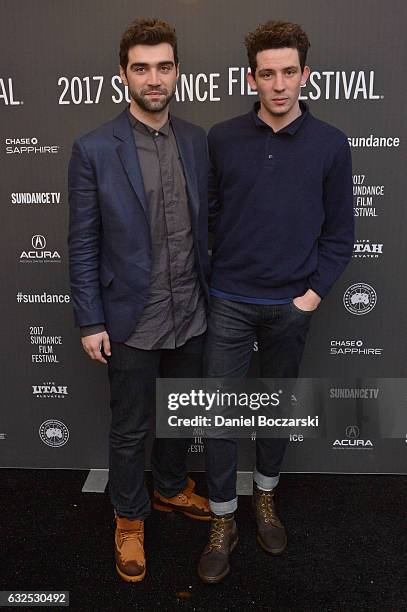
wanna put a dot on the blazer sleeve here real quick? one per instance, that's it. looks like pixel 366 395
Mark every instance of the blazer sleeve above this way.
pixel 84 239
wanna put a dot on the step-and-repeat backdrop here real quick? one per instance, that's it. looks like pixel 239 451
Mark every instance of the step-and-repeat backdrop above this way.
pixel 59 79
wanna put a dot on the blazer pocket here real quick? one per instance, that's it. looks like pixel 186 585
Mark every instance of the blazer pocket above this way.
pixel 106 276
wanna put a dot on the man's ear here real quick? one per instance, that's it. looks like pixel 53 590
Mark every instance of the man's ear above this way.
pixel 252 81
pixel 123 76
pixel 305 74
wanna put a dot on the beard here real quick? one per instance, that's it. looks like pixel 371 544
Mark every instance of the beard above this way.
pixel 150 105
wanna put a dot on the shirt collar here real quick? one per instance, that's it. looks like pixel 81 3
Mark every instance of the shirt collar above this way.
pixel 143 128
pixel 292 128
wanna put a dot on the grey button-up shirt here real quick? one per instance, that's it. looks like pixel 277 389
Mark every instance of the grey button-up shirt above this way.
pixel 175 309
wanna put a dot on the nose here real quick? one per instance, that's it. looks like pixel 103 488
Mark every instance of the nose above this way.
pixel 154 77
pixel 279 84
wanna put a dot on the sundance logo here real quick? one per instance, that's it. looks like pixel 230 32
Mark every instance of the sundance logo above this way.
pixel 352 440
pixel 39 254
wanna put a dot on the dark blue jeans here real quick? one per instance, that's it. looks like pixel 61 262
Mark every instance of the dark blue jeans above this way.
pixel 281 332
pixel 132 374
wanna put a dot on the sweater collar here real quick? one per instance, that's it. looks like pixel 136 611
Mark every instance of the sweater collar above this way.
pixel 292 128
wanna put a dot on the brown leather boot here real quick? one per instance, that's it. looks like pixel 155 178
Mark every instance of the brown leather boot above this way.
pixel 271 534
pixel 129 549
pixel 214 562
pixel 187 502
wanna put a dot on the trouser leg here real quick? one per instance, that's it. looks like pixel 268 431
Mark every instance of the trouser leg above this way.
pixel 132 374
pixel 281 338
pixel 228 351
pixel 169 455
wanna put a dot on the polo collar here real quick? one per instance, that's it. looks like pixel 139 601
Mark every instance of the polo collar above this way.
pixel 292 128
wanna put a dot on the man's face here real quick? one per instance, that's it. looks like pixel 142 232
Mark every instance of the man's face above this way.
pixel 151 76
pixel 278 80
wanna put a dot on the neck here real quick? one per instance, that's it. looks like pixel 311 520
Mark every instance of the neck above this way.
pixel 153 120
pixel 278 122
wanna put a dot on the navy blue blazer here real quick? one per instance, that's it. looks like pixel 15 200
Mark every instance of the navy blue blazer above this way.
pixel 109 231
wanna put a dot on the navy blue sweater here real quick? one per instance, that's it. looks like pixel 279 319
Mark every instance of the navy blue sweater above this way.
pixel 281 206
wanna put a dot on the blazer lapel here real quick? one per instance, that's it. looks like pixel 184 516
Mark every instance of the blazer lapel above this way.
pixel 186 152
pixel 127 152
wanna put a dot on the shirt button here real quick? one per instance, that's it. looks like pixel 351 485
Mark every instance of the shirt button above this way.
pixel 270 156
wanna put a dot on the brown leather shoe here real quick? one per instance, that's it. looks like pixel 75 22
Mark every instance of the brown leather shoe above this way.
pixel 129 549
pixel 187 502
pixel 214 562
pixel 271 533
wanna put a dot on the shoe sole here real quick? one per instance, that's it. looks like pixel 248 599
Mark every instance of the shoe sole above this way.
pixel 216 579
pixel 197 517
pixel 128 578
pixel 271 551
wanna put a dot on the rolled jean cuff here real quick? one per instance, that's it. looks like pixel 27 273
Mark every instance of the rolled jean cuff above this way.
pixel 221 508
pixel 265 482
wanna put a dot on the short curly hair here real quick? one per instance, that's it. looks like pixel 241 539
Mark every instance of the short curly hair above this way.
pixel 147 31
pixel 276 35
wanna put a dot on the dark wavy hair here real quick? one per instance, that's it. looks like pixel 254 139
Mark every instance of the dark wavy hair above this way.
pixel 276 35
pixel 147 31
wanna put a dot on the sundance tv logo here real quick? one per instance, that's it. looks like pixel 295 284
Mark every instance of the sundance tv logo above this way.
pixel 352 440
pixel 39 254
pixel 359 299
pixel 28 146
pixel 44 197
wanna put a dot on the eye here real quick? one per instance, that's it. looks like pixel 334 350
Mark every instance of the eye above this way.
pixel 166 68
pixel 138 69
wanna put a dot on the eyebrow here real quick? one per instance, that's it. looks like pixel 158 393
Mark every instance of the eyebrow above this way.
pixel 146 64
pixel 273 69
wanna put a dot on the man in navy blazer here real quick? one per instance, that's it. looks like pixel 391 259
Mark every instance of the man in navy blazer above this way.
pixel 139 268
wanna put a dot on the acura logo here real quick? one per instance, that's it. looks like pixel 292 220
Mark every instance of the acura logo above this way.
pixel 38 242
pixel 352 431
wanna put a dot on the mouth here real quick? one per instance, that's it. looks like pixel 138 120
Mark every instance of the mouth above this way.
pixel 154 94
pixel 280 101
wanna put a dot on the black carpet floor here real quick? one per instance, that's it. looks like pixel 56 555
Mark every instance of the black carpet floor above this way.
pixel 347 548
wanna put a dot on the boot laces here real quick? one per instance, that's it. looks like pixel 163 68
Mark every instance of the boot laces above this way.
pixel 267 508
pixel 131 534
pixel 217 533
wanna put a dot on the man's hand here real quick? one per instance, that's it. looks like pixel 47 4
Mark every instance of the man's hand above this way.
pixel 93 345
pixel 308 302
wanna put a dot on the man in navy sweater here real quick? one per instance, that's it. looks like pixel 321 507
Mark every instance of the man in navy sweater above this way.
pixel 282 215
